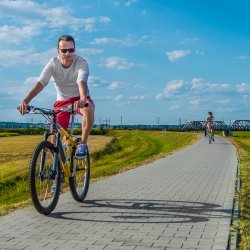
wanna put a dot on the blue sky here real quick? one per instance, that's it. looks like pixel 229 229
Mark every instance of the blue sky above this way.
pixel 150 61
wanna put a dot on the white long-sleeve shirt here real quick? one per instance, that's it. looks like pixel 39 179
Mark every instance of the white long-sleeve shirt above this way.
pixel 66 79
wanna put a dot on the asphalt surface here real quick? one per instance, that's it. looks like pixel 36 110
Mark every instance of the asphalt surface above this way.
pixel 182 201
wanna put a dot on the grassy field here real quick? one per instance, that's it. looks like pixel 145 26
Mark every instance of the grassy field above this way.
pixel 242 142
pixel 119 151
pixel 15 153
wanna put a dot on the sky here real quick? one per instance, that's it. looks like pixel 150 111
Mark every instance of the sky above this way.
pixel 150 61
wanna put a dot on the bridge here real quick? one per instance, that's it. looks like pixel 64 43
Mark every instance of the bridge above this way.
pixel 236 125
pixel 239 125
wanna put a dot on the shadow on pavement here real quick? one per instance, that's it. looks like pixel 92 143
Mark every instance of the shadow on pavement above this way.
pixel 143 211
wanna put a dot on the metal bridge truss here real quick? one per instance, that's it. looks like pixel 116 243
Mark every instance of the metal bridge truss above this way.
pixel 239 125
pixel 200 125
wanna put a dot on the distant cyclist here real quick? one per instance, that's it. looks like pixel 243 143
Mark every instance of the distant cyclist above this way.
pixel 210 123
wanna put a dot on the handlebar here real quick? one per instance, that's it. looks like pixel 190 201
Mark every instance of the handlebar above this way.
pixel 45 111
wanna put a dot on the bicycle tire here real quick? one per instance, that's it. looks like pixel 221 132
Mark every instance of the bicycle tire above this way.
pixel 79 183
pixel 209 137
pixel 41 178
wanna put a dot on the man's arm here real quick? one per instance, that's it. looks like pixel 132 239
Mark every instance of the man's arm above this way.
pixel 83 95
pixel 36 89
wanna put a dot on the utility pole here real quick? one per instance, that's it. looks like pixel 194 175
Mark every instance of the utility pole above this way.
pixel 158 121
pixel 180 122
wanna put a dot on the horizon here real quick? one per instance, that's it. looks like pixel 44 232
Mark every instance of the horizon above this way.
pixel 150 61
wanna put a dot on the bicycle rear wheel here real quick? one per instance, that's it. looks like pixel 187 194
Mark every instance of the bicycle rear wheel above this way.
pixel 79 183
pixel 43 181
pixel 209 137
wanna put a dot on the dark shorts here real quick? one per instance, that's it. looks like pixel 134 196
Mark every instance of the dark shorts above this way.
pixel 63 117
pixel 210 125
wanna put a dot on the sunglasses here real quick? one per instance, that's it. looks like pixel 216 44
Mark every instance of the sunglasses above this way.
pixel 71 50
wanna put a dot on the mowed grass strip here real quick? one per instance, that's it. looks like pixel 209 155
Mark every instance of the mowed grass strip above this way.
pixel 120 151
pixel 242 142
pixel 133 148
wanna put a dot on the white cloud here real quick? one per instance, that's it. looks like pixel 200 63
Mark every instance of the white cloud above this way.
pixel 113 85
pixel 195 102
pixel 198 52
pixel 13 57
pixel 170 88
pixel 117 63
pixel 88 51
pixel 190 40
pixel 201 85
pixel 31 80
pixel 130 2
pixel 137 98
pixel 127 42
pixel 118 98
pixel 174 107
pixel 224 101
pixel 225 110
pixel 29 18
pixel 242 57
pixel 197 83
pixel 96 82
pixel 243 87
pixel 215 87
pixel 21 33
pixel 104 19
pixel 177 54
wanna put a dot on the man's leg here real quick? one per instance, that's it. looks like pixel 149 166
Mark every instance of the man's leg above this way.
pixel 87 121
pixel 213 133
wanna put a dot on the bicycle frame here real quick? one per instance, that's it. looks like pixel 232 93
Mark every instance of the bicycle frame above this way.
pixel 58 132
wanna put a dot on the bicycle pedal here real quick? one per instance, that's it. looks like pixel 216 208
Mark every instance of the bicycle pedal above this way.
pixel 80 168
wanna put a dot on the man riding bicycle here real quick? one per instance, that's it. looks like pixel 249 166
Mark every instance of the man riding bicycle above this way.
pixel 70 73
pixel 210 123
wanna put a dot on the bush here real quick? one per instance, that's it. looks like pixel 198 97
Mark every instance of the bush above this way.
pixel 110 148
pixel 25 131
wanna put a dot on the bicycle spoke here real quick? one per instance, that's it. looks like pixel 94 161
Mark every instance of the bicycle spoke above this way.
pixel 79 183
pixel 44 183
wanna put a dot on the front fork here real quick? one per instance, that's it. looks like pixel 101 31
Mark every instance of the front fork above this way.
pixel 58 144
pixel 68 165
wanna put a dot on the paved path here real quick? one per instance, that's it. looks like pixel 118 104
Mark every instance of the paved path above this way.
pixel 183 201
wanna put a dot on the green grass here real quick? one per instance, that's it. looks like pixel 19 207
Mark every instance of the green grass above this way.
pixel 126 150
pixel 131 148
pixel 7 134
pixel 242 142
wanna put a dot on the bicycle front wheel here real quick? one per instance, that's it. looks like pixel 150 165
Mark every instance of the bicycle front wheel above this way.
pixel 44 182
pixel 79 183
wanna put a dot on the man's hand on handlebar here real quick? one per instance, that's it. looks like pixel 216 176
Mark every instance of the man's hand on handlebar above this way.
pixel 23 108
pixel 80 104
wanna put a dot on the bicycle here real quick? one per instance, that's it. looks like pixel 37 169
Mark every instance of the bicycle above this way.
pixel 210 135
pixel 54 163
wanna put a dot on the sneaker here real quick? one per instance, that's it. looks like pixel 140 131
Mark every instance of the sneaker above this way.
pixel 81 151
pixel 53 187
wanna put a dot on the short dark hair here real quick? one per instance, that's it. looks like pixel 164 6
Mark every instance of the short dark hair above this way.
pixel 66 38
